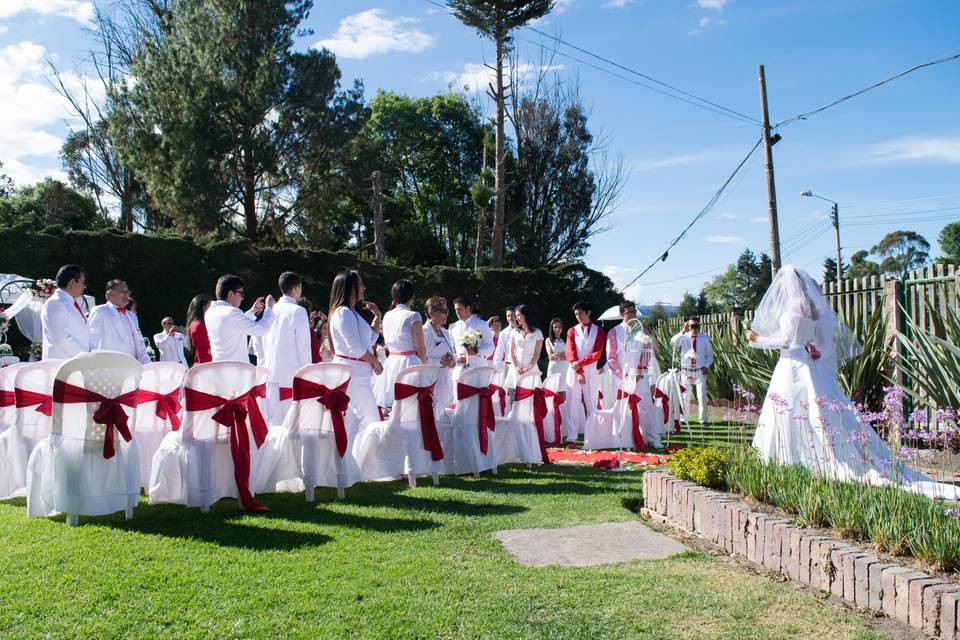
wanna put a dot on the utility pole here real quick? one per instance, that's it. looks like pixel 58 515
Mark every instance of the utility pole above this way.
pixel 768 143
pixel 835 215
pixel 378 239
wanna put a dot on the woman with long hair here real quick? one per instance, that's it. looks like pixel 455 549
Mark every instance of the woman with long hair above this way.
pixel 526 344
pixel 441 351
pixel 352 340
pixel 403 337
pixel 556 346
pixel 197 329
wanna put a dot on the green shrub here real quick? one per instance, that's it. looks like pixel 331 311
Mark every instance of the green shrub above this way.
pixel 706 466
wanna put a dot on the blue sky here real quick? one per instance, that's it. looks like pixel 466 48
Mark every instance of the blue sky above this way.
pixel 891 157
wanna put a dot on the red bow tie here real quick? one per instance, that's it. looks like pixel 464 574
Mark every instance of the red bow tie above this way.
pixel 122 311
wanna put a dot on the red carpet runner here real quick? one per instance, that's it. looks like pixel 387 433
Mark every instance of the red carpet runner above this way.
pixel 604 459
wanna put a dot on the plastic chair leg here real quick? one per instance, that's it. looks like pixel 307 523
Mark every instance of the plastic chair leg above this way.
pixel 205 509
pixel 436 478
pixel 73 519
pixel 341 493
pixel 308 493
pixel 412 480
pixel 128 513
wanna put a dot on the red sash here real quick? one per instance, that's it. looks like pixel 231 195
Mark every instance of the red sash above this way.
pixel 110 413
pixel 24 398
pixel 558 398
pixel 633 400
pixel 503 397
pixel 485 417
pixel 234 414
pixel 403 353
pixel 665 403
pixel 168 405
pixel 539 413
pixel 8 399
pixel 428 425
pixel 335 400
pixel 286 393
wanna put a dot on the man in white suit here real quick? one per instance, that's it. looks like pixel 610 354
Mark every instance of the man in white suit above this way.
pixel 228 326
pixel 501 354
pixel 585 342
pixel 691 341
pixel 65 332
pixel 170 343
pixel 286 345
pixel 113 328
pixel 463 307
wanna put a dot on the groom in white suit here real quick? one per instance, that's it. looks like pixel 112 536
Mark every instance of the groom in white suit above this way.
pixel 286 345
pixel 113 328
pixel 690 339
pixel 65 332
pixel 463 307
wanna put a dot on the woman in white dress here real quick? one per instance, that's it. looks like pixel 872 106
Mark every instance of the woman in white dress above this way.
pixel 403 337
pixel 441 351
pixel 557 349
pixel 806 419
pixel 352 341
pixel 526 344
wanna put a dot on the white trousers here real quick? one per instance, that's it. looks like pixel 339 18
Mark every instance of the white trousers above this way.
pixel 581 402
pixel 701 386
pixel 362 401
pixel 276 410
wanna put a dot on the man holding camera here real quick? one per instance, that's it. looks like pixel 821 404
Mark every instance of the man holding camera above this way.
pixel 170 343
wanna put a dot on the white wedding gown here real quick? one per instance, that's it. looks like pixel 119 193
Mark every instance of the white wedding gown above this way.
pixel 807 420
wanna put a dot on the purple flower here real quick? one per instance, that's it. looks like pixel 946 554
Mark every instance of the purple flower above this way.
pixel 919 416
pixel 729 417
pixel 952 513
pixel 859 435
pixel 905 453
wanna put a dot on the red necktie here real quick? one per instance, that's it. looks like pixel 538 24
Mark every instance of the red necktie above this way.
pixel 80 311
pixel 122 311
pixel 694 338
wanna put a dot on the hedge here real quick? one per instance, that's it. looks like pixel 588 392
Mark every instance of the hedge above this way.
pixel 164 272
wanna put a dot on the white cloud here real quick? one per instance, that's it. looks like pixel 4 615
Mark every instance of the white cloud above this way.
pixel 918 149
pixel 32 113
pixel 727 216
pixel 3 29
pixel 562 5
pixel 760 219
pixel 476 77
pixel 79 10
pixel 370 33
pixel 704 23
pixel 714 5
pixel 617 4
pixel 621 276
pixel 725 240
pixel 673 161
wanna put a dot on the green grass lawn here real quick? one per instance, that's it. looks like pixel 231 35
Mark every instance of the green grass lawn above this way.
pixel 389 562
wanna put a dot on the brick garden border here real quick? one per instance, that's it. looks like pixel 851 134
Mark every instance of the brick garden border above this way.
pixel 859 577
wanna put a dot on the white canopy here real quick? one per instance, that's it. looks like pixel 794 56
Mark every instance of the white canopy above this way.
pixel 613 313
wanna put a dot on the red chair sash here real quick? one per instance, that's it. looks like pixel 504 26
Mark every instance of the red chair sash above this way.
pixel 42 401
pixel 110 413
pixel 428 425
pixel 664 399
pixel 539 413
pixel 286 393
pixel 335 400
pixel 503 397
pixel 633 401
pixel 168 405
pixel 485 417
pixel 8 399
pixel 234 414
pixel 558 398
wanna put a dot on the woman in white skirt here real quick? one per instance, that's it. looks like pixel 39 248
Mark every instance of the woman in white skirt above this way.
pixel 556 346
pixel 441 351
pixel 403 336
pixel 526 344
pixel 352 341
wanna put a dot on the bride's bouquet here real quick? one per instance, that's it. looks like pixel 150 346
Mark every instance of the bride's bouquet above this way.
pixel 470 341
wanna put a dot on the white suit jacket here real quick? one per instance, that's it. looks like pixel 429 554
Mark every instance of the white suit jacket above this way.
pixel 502 353
pixel 704 349
pixel 228 328
pixel 170 348
pixel 115 331
pixel 287 344
pixel 458 328
pixel 65 332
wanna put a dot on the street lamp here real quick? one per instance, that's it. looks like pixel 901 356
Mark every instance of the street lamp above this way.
pixel 835 218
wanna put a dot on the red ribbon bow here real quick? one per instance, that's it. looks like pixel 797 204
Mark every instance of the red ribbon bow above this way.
pixel 503 397
pixel 539 413
pixel 633 401
pixel 335 400
pixel 122 311
pixel 233 414
pixel 168 405
pixel 559 397
pixel 428 425
pixel 8 398
pixel 658 394
pixel 110 413
pixel 486 419
pixel 24 398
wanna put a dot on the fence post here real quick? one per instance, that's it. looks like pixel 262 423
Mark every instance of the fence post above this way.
pixel 894 323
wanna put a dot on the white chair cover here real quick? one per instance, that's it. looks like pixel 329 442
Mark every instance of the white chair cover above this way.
pixel 668 397
pixel 516 436
pixel 156 417
pixel 8 403
pixel 555 391
pixel 31 426
pixel 395 447
pixel 460 438
pixel 613 428
pixel 608 388
pixel 87 466
pixel 194 466
pixel 302 453
pixel 6 361
pixel 501 401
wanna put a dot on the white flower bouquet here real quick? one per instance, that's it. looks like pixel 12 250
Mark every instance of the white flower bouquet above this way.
pixel 470 340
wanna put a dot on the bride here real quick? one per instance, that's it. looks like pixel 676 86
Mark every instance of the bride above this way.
pixel 806 419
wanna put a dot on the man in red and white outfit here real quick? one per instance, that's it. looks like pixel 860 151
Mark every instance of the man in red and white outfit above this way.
pixel 617 343
pixel 286 346
pixel 584 345
pixel 113 328
pixel 228 326
pixel 64 325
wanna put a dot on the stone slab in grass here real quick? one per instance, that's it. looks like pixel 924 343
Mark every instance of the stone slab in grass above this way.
pixel 587 545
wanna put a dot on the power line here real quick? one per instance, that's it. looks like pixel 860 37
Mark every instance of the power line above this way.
pixel 877 216
pixel 806 115
pixel 706 209
pixel 806 237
